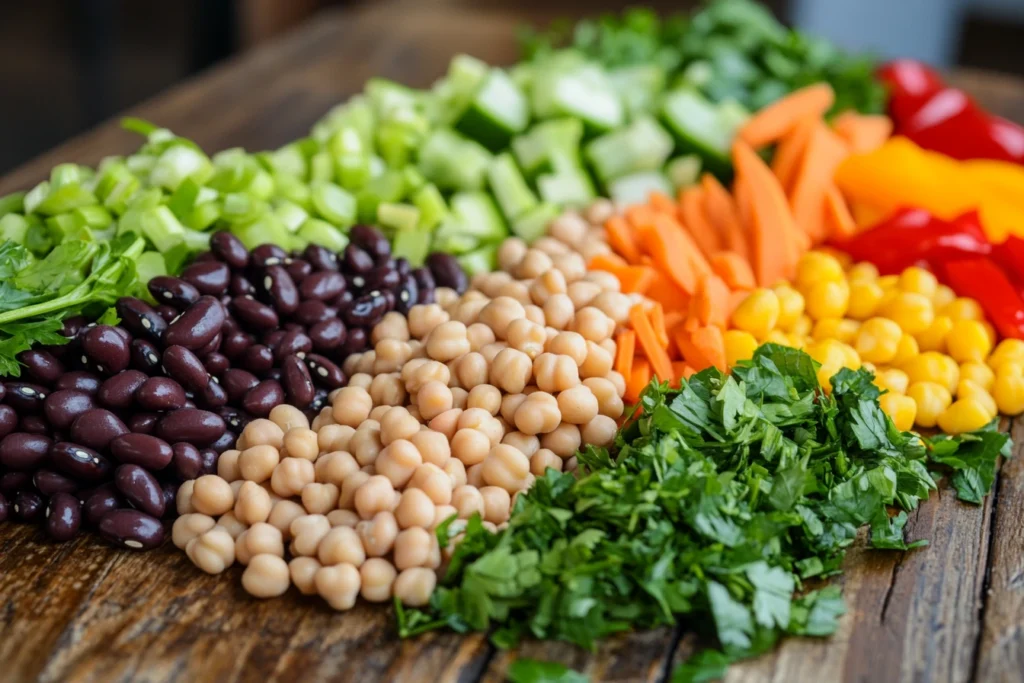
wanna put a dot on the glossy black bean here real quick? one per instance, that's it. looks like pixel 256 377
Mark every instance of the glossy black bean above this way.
pixel 159 394
pixel 73 325
pixel 272 338
pixel 328 334
pixel 235 419
pixel 34 424
pixel 229 249
pixel 407 294
pixel 140 489
pixel 424 278
pixel 236 382
pixel 42 366
pixel 226 441
pixel 366 311
pixel 254 314
pixel 186 463
pixel 28 506
pixel 268 255
pixel 132 529
pixel 298 385
pixel 216 363
pixel 8 420
pixel 185 368
pixel 209 458
pixel 240 286
pixel 320 399
pixel 119 391
pixel 62 407
pixel 173 292
pixel 213 396
pixel 210 277
pixel 356 260
pixel 24 452
pixel 96 428
pixel 4 508
pixel 213 346
pixel 324 371
pixel 198 427
pixel 390 300
pixel 25 397
pixel 170 491
pixel 294 342
pixel 279 289
pixel 258 358
pixel 322 286
pixel 382 277
pixel 357 341
pixel 168 313
pixel 80 380
pixel 197 326
pixel 321 258
pixel 48 482
pixel 447 272
pixel 79 462
pixel 235 344
pixel 140 319
pixel 143 423
pixel 106 350
pixel 15 481
pixel 263 397
pixel 402 266
pixel 312 311
pixel 372 241
pixel 103 500
pixel 63 517
pixel 298 269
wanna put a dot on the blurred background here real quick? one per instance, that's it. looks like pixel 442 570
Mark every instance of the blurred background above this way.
pixel 66 65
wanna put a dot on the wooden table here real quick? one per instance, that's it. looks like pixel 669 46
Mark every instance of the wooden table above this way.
pixel 953 611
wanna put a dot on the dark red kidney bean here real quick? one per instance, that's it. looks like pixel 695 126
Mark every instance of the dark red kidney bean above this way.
pixel 209 457
pixel 173 291
pixel 447 272
pixel 142 449
pixel 15 481
pixel 159 394
pixel 382 277
pixel 357 341
pixel 402 266
pixel 324 371
pixel 426 296
pixel 279 289
pixel 213 396
pixel 226 441
pixel 186 463
pixel 235 344
pixel 63 517
pixel 168 313
pixel 49 483
pixel 106 350
pixel 322 286
pixel 34 424
pixel 210 277
pixel 234 418
pixel 216 363
pixel 240 286
pixel 366 310
pixel 189 403
pixel 119 390
pixel 140 319
pixel 145 357
pixel 268 255
pixel 319 400
pixel 213 346
pixel 294 342
pixel 321 258
pixel 62 407
pixel 229 249
pixel 140 489
pixel 372 241
pixel 298 270
pixel 28 506
pixel 356 260
pixel 390 300
pixel 186 368
pixel 3 392
pixel 263 397
pixel 103 500
pixel 272 338
pixel 343 300
pixel 424 278
pixel 230 325
pixel 254 314
pixel 312 311
pixel 197 326
pixel 43 366
pixel 79 462
pixel 225 300
pixel 198 427
pixel 328 334
pixel 294 327
pixel 123 333
pixel 8 420
pixel 236 382
pixel 96 428
pixel 170 491
pixel 274 374
pixel 24 452
pixel 205 257
pixel 4 508
pixel 298 385
pixel 407 294
pixel 143 423
pixel 258 358
pixel 132 529
pixel 80 380
pixel 73 325
pixel 25 397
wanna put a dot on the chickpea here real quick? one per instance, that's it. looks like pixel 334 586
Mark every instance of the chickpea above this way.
pixel 352 406
pixel 338 585
pixel 570 228
pixel 253 504
pixel 433 446
pixel 446 423
pixel 189 526
pixel 307 532
pixel 497 504
pixel 600 431
pixel 302 571
pixel 447 341
pixel 479 335
pixel 542 460
pixel 509 404
pixel 467 501
pixel 613 304
pixel 346 499
pixel 348 366
pixel 291 475
pixel 358 380
pixel 433 481
pixel 459 398
pixel 555 372
pixel 213 551
pixel 267 576
pixel 342 518
pixel 582 293
pixel 392 326
pixel 398 461
pixel 572 265
pixel 212 496
pixel 558 311
pixel 433 399
pixel 260 538
pixel 470 446
pixel 526 443
pixel 442 513
pixel 491 351
pixel 577 405
pixel 445 296
pixel 282 514
pixel 506 467
pixel 510 253
pixel 263 432
pixel 387 390
pixel 429 371
pixel 598 362
pixel 322 419
pixel 414 586
pixel 366 362
pixel 592 324
pixel 414 509
pixel 412 548
pixel 484 397
pixel 375 495
pixel 366 443
pixel 535 263
pixel 468 310
pixel 424 318
pixel 475 475
pixel 493 429
pixel 563 441
pixel 456 471
pixel 538 414
pixel 378 534
pixel 288 417
pixel 551 246
pixel 618 381
pixel 334 437
pixel 320 499
pixel 257 463
pixel 301 443
pixel 609 346
pixel 535 314
pixel 332 468
pixel 378 412
pixel 341 545
pixel 516 289
pixel 391 355
pixel 609 402
pixel 547 285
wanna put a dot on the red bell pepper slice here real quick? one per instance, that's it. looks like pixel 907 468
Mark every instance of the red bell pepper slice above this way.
pixel 982 279
pixel 910 84
pixel 1007 138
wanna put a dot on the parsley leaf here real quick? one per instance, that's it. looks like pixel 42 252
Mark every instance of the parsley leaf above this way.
pixel 533 671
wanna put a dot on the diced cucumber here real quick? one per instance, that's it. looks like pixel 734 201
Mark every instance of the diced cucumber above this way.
pixel 399 217
pixel 453 162
pixel 534 223
pixel 496 112
pixel 514 196
pixel 481 260
pixel 568 184
pixel 584 92
pixel 636 188
pixel 316 231
pixel 433 208
pixel 13 228
pixel 641 146
pixel 478 215
pixel 412 244
pixel 638 86
pixel 702 127
pixel 683 171
pixel 534 149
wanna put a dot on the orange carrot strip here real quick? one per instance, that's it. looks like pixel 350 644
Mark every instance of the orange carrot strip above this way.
pixel 710 304
pixel 735 299
pixel 839 221
pixel 657 316
pixel 721 211
pixel 863 132
pixel 648 340
pixel 733 269
pixel 666 242
pixel 638 379
pixel 680 371
pixel 691 213
pixel 609 262
pixel 620 238
pixel 667 293
pixel 703 347
pixel 661 202
pixel 625 349
pixel 674 318
pixel 825 151
pixel 790 152
pixel 636 279
pixel 639 215
pixel 774 121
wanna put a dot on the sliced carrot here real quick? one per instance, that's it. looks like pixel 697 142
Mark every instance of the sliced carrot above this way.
pixel 703 347
pixel 721 211
pixel 691 213
pixel 667 293
pixel 648 341
pixel 625 349
pixel 657 317
pixel 661 202
pixel 773 122
pixel 866 214
pixel 638 379
pixel 610 262
pixel 710 304
pixel 620 238
pixel 735 299
pixel 790 152
pixel 863 132
pixel 674 318
pixel 666 242
pixel 839 221
pixel 825 151
pixel 639 215
pixel 681 370
pixel 733 269
pixel 636 279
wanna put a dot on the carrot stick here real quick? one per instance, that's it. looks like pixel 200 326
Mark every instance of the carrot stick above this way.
pixel 620 238
pixel 733 269
pixel 639 215
pixel 774 121
pixel 638 379
pixel 636 279
pixel 648 340
pixel 657 316
pixel 661 202
pixel 710 304
pixel 667 293
pixel 681 370
pixel 625 349
pixel 609 262
pixel 703 347
pixel 673 250
pixel 790 152
pixel 825 151
pixel 721 211
pixel 863 132
pixel 839 221
pixel 691 213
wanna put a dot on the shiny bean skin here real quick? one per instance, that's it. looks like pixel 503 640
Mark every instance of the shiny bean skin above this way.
pixel 229 249
pixel 5 508
pixel 186 368
pixel 33 424
pixel 216 363
pixel 73 325
pixel 258 359
pixel 142 449
pixel 235 418
pixel 168 313
pixel 99 503
pixel 210 277
pixel 268 255
pixel 143 423
pixel 272 338
pixel 292 342
pixel 25 397
pixel 96 428
pixel 324 371
pixel 132 529
pixel 262 398
pixel 197 427
pixel 310 312
pixel 213 396
pixel 328 335
pixel 236 382
pixel 366 311
pixel 279 289
pixel 140 489
pixel 240 286
pixel 357 260
pixel 224 442
pixel 8 420
pixel 42 366
pixel 446 272
pixel 298 269
pixel 212 346
pixel 119 391
pixel 197 325
pixel 79 462
pixel 12 482
pixel 322 286
pixel 140 319
pixel 160 394
pixel 371 241
pixel 28 506
pixel 24 452
pixel 382 277
pixel 408 294
pixel 186 462
pixel 106 350
pixel 48 483
pixel 80 380
pixel 145 356
pixel 321 258
pixel 298 385
pixel 173 291
pixel 254 314
pixel 62 407
pixel 63 517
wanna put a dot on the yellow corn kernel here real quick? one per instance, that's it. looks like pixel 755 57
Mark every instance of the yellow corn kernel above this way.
pixel 865 296
pixel 878 340
pixel 777 336
pixel 862 272
pixel 911 311
pixel 968 389
pixel 902 409
pixel 892 379
pixel 932 366
pixel 943 296
pixel 870 367
pixel 964 415
pixel 843 329
pixel 1008 350
pixel 851 359
pixel 919 281
pixel 758 313
pixel 905 350
pixel 791 306
pixel 844 258
pixel 934 338
pixel 803 325
pixel 827 299
pixel 739 345
pixel 830 355
pixel 979 373
pixel 817 266
pixel 1008 389
pixel 889 282
pixel 968 341
pixel 990 332
pixel 931 399
pixel 798 341
pixel 963 308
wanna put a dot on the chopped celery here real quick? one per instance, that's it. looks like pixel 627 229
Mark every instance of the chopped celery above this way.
pixel 333 203
pixel 66 174
pixel 431 204
pixel 291 214
pixel 534 223
pixel 453 162
pixel 12 203
pixel 159 226
pixel 638 86
pixel 351 158
pixel 38 239
pixel 196 240
pixel 399 217
pixel 413 179
pixel 514 196
pixel 451 237
pixel 120 195
pixel 13 227
pixel 149 265
pixel 478 215
pixel 202 216
pixel 316 231
pixel 268 229
pixel 482 260
pixel 241 208
pixel 636 188
pixel 293 189
pixel 63 199
pixel 413 245
pixel 703 127
pixel 683 171
pixel 176 164
pixel 289 159
pixel 184 198
pixel 387 187
pixel 496 112
pixel 641 146
pixel 583 91
pixel 568 184
pixel 95 216
pixel 534 148
pixel 321 167
pixel 386 95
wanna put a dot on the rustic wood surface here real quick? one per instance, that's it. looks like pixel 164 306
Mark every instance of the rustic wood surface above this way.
pixel 953 611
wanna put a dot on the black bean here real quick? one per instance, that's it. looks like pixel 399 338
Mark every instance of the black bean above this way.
pixel 236 382
pixel 170 490
pixel 140 319
pixel 235 419
pixel 15 481
pixel 42 366
pixel 321 258
pixel 132 529
pixel 99 503
pixel 140 489
pixel 298 385
pixel 106 350
pixel 8 420
pixel 168 313
pixel 213 396
pixel 4 508
pixel 366 311
pixel 298 269
pixel 186 368
pixel 119 390
pixel 424 278
pixel 258 358
pixel 356 342
pixel 447 272
pixel 322 286
pixel 382 277
pixel 254 314
pixel 240 286
pixel 96 428
pixel 79 379
pixel 279 289
pixel 235 344
pixel 198 427
pixel 143 423
pixel 173 292
pixel 24 452
pixel 49 482
pixel 328 334
pixel 229 249
pixel 293 342
pixel 145 357
pixel 402 266
pixel 34 424
pixel 268 255
pixel 25 397
pixel 356 260
pixel 197 326
pixel 324 371
pixel 209 458
pixel 408 294
pixel 216 363
pixel 372 241
pixel 28 506
pixel 160 393
pixel 211 277
pixel 312 311
pixel 62 407
pixel 79 461
pixel 186 463
pixel 73 325
pixel 262 398
pixel 213 346
pixel 63 517
pixel 226 441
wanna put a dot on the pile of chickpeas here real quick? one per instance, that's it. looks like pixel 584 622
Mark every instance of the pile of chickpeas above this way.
pixel 454 412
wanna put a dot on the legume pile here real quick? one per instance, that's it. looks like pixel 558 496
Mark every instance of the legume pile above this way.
pixel 111 424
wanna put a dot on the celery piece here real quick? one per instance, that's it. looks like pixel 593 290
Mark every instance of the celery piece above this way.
pixel 176 164
pixel 184 198
pixel 267 229
pixel 582 91
pixel 316 231
pixel 453 162
pixel 290 160
pixel 433 208
pixel 321 167
pixel 386 95
pixel 261 186
pixel 149 265
pixel 161 228
pixel 13 227
pixel 509 187
pixel 12 203
pixel 641 146
pixel 333 204
pixel 534 223
pixel 65 198
pixel 351 157
pixel 196 240
pixel 396 143
pixel 568 184
pixel 413 245
pixel 291 214
pixel 95 217
pixel 36 196
pixel 112 174
pixel 357 113
pixel 466 73
pixel 377 166
pixel 120 195
pixel 451 237
pixel 293 189
pixel 237 207
pixel 481 260
pixel 397 216
pixel 496 112
pixel 412 179
pixel 387 187
pixel 478 215
pixel 66 227
pixel 703 127
pixel 534 148
pixel 202 216
pixel 65 174
pixel 638 86
pixel 636 188
pixel 683 171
